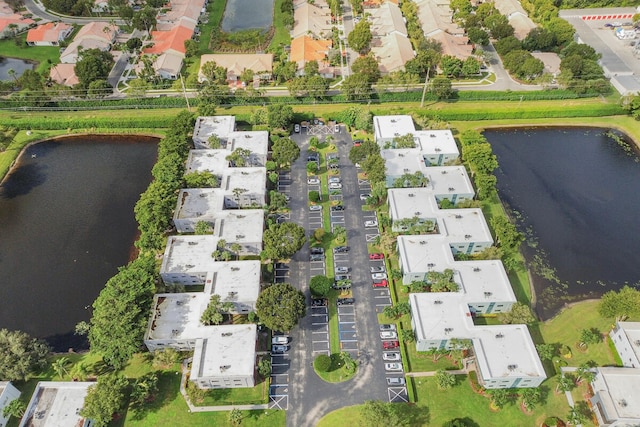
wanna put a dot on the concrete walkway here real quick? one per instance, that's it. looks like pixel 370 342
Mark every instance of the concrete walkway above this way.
pixel 193 408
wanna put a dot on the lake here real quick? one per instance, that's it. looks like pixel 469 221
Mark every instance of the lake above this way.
pixel 67 224
pixel 575 194
pixel 15 64
pixel 247 14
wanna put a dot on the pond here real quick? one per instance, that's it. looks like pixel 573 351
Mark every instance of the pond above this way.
pixel 67 224
pixel 15 64
pixel 247 14
pixel 575 193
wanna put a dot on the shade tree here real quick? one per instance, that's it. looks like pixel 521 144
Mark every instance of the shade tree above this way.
pixel 280 306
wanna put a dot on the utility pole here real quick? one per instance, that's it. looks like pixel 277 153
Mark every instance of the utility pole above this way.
pixel 424 89
pixel 184 92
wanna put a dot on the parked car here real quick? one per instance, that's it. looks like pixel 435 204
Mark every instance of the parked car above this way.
pixel 377 269
pixel 371 223
pixel 335 179
pixel 346 301
pixel 342 285
pixel 342 277
pixel 331 156
pixel 318 257
pixel 313 157
pixel 315 208
pixel 313 181
pixel 365 196
pixel 279 349
pixel 379 276
pixel 296 128
pixel 394 366
pixel 336 128
pixel 381 283
pixel 334 166
pixel 337 208
pixel 357 142
pixel 395 381
pixel 316 250
pixel 391 355
pixel 388 327
pixel 388 335
pixel 376 256
pixel 341 270
pixel 335 186
pixel 280 339
pixel 318 302
pixel 390 345
pixel 340 249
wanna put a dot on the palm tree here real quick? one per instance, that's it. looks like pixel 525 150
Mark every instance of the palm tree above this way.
pixel 236 248
pixel 11 72
pixel 79 372
pixel 60 365
pixel 15 408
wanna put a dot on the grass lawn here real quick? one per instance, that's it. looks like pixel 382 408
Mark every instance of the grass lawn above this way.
pixel 236 396
pixel 170 408
pixel 281 36
pixel 423 362
pixel 337 372
pixel 45 56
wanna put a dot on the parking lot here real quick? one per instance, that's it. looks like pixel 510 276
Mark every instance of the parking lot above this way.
pixel 320 331
pixel 347 329
pixel 279 388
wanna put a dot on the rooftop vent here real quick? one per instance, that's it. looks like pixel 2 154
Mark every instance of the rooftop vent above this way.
pixel 431 265
pixel 417 213
pixel 239 236
pixel 179 302
pixel 458 216
pixel 209 155
pixel 423 242
pixel 637 343
pixel 437 302
pixel 499 336
pixel 476 269
pixel 451 189
pixel 412 195
pixel 247 135
pixel 244 173
pixel 193 243
pixel 396 134
pixel 622 403
pixel 467 236
pixel 227 334
pixel 448 330
pixel 189 265
pixel 393 120
pixel 433 135
pixel 224 367
pixel 487 294
pixel 235 268
pixel 406 170
pixel 202 195
pixel 437 150
pixel 400 155
pixel 512 367
pixel 233 293
pixel 444 172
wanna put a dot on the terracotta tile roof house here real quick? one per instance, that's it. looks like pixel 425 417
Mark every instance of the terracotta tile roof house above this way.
pixel 168 64
pixel 305 49
pixel 64 74
pixel 312 20
pixel 260 63
pixel 457 46
pixel 49 34
pixel 392 52
pixel 387 19
pixel 179 10
pixel 15 19
pixel 95 35
pixel 173 39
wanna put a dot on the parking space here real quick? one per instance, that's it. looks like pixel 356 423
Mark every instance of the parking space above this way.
pixel 284 182
pixel 398 394
pixel 320 331
pixel 382 298
pixel 279 388
pixel 347 329
pixel 315 220
pixel 282 273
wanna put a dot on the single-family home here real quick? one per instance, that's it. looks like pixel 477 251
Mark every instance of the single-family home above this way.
pixel 13 23
pixel 616 396
pixel 168 50
pixel 311 19
pixel 64 74
pixel 386 19
pixel 8 393
pixel 94 35
pixel 236 63
pixel 306 49
pixel 518 17
pixel 49 34
pixel 57 404
pixel 626 338
pixel 392 51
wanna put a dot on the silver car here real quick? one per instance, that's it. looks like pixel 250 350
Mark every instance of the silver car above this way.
pixel 395 381
pixel 393 366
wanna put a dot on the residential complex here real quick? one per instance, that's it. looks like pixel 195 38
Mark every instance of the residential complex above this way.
pixel 626 338
pixel 57 404
pixel 616 396
pixel 8 393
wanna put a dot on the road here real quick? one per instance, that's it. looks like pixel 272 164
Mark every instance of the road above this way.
pixel 503 79
pixel 310 398
pixel 37 9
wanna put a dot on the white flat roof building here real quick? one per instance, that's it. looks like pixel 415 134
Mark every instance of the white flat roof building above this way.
pixel 207 160
pixel 626 338
pixel 466 229
pixel 242 226
pixel 505 355
pixel 253 180
pixel 255 141
pixel 400 161
pixel 226 358
pixel 187 259
pixel 206 126
pixel 237 282
pixel 437 147
pixel 485 284
pixel 57 404
pixel 412 202
pixel 197 204
pixel 450 182
pixel 386 128
pixel 616 400
pixel 8 393
pixel 175 321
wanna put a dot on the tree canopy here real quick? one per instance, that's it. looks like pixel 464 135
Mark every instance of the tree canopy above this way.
pixel 620 304
pixel 320 285
pixel 94 64
pixel 104 399
pixel 360 38
pixel 20 355
pixel 382 414
pixel 280 306
pixel 284 151
pixel 283 240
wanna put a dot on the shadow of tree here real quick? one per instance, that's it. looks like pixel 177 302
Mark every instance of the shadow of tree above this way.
pixel 168 390
pixel 416 415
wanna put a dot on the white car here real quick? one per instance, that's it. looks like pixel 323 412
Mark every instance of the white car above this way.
pixel 379 276
pixel 280 339
pixel 377 269
pixel 395 381
pixel 279 349
pixel 393 366
pixel 334 179
pixel 365 196
pixel 341 270
pixel 388 327
pixel 315 208
pixel 335 186
pixel 296 128
pixel 390 355
pixel 371 223
pixel 388 335
pixel 313 181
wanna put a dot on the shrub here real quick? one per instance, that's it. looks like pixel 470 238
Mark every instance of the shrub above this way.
pixel 318 234
pixel 314 196
pixel 322 363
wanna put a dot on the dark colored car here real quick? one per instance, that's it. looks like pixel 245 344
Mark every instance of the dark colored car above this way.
pixel 347 301
pixel 337 208
pixel 318 302
pixel 317 251
pixel 340 249
pixel 316 257
pixel 387 345
pixel 376 256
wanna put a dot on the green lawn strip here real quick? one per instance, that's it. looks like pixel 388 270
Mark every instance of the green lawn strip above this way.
pixel 334 334
pixel 45 56
pixel 337 373
pixel 281 37
pixel 170 405
pixel 565 328
pixel 348 416
pixel 613 351
pixel 236 396
pixel 421 361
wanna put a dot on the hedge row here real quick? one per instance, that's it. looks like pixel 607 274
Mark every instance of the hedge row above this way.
pixel 55 123
pixel 546 112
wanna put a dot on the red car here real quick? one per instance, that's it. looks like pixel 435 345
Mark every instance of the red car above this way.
pixel 376 256
pixel 388 345
pixel 380 283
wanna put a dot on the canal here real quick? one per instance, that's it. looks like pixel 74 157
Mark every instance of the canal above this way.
pixel 67 224
pixel 575 194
